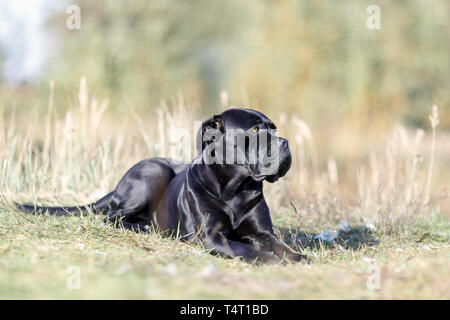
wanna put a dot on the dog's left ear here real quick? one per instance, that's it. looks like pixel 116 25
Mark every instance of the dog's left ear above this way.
pixel 210 131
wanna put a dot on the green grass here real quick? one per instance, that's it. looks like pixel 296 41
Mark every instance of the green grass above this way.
pixel 36 253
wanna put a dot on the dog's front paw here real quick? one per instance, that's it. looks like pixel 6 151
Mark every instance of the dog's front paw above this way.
pixel 295 257
pixel 268 257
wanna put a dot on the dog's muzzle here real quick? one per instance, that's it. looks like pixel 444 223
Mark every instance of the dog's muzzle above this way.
pixel 279 163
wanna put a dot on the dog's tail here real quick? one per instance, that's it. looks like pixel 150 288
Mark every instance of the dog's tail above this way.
pixel 97 207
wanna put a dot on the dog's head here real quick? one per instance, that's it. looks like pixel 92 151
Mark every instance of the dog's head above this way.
pixel 245 138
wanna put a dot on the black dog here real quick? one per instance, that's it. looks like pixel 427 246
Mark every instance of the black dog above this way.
pixel 217 198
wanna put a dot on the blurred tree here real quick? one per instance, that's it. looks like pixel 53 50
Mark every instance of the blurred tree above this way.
pixel 319 58
pixel 143 51
pixel 316 58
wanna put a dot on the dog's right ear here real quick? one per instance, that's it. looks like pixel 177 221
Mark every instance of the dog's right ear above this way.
pixel 210 131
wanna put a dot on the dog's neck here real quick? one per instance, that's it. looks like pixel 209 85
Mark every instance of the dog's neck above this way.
pixel 230 178
pixel 223 180
pixel 238 192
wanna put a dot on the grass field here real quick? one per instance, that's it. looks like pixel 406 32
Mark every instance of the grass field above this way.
pixel 388 214
pixel 41 255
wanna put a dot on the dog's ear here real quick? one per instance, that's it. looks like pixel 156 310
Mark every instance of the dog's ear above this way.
pixel 210 131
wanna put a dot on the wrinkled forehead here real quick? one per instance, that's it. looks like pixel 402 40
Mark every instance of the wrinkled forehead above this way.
pixel 246 119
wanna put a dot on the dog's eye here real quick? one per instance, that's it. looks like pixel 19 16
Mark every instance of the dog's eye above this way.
pixel 255 129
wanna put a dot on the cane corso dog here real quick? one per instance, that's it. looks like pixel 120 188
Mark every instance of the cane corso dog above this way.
pixel 217 198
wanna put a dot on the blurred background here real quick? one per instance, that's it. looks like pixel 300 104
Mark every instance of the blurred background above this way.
pixel 315 60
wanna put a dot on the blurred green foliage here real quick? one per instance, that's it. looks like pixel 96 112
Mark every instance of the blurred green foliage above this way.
pixel 316 58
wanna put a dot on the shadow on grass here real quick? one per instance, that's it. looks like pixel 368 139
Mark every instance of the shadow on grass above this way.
pixel 353 239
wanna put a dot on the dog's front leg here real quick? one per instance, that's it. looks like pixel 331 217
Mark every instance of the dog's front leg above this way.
pixel 221 244
pixel 271 243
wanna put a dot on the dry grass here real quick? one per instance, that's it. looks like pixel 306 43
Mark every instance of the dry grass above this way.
pixel 388 198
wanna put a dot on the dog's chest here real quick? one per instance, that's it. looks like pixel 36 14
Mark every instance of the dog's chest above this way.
pixel 241 204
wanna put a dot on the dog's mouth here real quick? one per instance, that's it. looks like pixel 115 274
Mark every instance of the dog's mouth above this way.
pixel 283 168
pixel 273 175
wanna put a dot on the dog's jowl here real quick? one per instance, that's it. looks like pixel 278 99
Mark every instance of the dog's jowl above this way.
pixel 217 198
